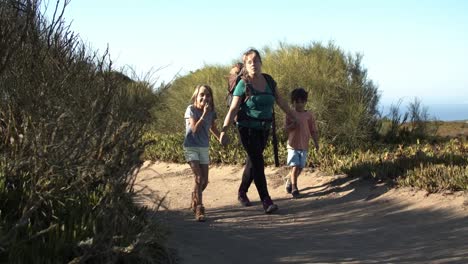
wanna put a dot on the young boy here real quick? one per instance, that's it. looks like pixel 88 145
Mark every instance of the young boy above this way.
pixel 298 139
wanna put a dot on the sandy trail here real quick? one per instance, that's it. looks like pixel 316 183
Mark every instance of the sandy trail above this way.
pixel 339 220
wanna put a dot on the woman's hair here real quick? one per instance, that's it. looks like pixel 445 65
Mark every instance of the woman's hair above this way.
pixel 197 91
pixel 245 74
pixel 299 94
pixel 251 51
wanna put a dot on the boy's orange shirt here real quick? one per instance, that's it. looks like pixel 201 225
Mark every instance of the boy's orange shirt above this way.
pixel 298 137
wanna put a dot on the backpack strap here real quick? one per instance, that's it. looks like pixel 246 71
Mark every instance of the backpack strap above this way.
pixel 272 83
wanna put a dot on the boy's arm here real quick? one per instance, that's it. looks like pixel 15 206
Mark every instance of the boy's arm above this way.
pixel 289 125
pixel 313 131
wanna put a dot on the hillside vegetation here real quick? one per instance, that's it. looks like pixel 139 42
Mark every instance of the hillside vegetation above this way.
pixel 408 149
pixel 343 99
pixel 70 144
pixel 74 132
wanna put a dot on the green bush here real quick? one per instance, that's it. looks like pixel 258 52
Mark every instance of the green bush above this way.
pixel 70 145
pixel 340 94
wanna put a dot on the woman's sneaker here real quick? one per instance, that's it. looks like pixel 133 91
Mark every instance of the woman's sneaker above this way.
pixel 269 206
pixel 288 186
pixel 295 193
pixel 243 199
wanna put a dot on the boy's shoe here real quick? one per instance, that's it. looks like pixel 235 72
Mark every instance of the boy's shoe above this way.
pixel 243 199
pixel 288 186
pixel 200 213
pixel 295 193
pixel 269 206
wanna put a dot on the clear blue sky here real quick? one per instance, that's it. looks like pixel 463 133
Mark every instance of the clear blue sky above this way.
pixel 411 48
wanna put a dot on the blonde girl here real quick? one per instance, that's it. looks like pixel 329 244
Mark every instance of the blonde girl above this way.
pixel 200 119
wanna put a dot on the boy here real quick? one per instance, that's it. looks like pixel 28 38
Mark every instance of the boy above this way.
pixel 298 139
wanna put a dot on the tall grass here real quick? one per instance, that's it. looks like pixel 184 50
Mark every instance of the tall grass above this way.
pixel 342 97
pixel 355 139
pixel 70 145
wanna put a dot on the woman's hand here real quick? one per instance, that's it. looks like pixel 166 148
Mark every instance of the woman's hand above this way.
pixel 293 119
pixel 290 126
pixel 224 139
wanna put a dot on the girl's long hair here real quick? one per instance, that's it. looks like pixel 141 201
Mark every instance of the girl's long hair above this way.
pixel 197 90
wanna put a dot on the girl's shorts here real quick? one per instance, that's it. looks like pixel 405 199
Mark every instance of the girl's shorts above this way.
pixel 297 158
pixel 197 154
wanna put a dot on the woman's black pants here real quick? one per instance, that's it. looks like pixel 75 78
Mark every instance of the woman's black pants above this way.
pixel 254 142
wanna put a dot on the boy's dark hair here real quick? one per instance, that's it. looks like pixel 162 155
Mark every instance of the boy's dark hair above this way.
pixel 299 94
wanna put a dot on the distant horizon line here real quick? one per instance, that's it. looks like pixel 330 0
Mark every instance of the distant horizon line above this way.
pixel 442 112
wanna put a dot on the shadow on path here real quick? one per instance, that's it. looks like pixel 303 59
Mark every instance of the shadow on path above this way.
pixel 322 227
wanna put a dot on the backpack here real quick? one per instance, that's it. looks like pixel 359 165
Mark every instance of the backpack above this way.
pixel 234 77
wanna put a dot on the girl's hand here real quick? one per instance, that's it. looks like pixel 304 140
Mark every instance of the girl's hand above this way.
pixel 207 107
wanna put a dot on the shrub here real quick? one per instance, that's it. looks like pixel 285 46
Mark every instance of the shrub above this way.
pixel 340 94
pixel 70 145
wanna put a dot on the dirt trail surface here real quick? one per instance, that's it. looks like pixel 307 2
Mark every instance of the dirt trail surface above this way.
pixel 338 220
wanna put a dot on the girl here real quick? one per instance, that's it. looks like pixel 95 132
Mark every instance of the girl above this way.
pixel 199 120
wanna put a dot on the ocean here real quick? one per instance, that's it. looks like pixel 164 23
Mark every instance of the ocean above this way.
pixel 442 112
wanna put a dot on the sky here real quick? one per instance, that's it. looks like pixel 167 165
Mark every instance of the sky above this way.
pixel 411 48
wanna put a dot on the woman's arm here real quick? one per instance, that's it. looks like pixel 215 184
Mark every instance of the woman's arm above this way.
pixel 289 125
pixel 285 107
pixel 232 112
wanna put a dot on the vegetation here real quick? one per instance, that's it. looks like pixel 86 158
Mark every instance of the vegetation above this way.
pixel 343 99
pixel 402 148
pixel 73 133
pixel 409 127
pixel 433 167
pixel 70 144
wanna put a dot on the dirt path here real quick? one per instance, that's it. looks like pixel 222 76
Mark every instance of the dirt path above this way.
pixel 339 220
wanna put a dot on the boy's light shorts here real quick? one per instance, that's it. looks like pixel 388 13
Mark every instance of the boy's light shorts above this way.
pixel 197 154
pixel 297 158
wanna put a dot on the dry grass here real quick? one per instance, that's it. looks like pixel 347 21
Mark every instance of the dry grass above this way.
pixel 452 129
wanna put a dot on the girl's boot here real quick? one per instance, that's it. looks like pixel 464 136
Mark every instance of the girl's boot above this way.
pixel 193 202
pixel 200 213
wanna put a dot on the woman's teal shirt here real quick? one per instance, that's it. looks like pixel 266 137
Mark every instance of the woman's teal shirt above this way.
pixel 258 107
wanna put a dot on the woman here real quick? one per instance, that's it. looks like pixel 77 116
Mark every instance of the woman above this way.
pixel 252 103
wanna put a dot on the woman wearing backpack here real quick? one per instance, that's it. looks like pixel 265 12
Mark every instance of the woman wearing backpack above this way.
pixel 252 103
